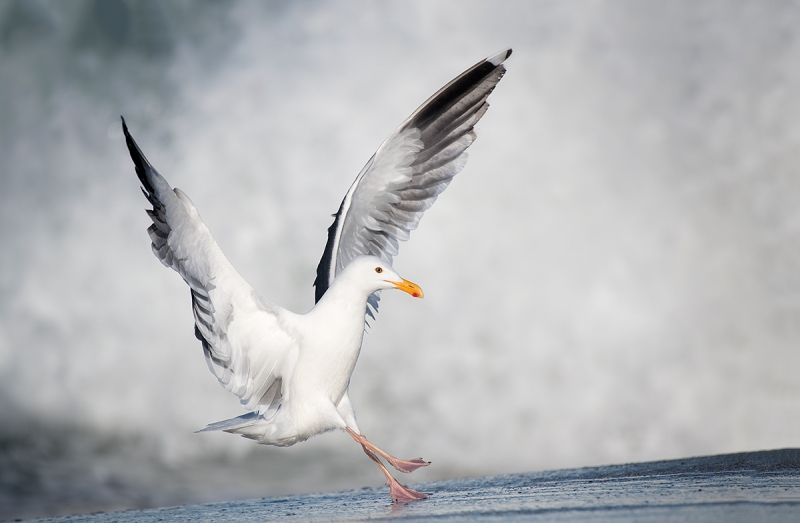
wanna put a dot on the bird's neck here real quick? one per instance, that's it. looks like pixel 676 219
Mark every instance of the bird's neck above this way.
pixel 344 298
pixel 342 311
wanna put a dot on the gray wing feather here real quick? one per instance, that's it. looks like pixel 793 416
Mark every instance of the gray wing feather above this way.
pixel 408 172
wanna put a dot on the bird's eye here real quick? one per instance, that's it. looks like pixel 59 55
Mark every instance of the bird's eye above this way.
pixel 379 269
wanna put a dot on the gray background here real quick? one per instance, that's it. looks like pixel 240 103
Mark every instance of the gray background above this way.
pixel 614 277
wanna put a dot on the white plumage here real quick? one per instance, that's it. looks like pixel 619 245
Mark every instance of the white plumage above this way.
pixel 292 371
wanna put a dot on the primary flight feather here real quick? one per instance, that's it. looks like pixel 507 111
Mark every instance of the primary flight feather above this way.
pixel 292 371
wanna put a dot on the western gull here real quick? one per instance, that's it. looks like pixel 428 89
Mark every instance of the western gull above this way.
pixel 292 371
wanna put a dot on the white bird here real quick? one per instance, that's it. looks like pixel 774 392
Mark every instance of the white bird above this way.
pixel 292 371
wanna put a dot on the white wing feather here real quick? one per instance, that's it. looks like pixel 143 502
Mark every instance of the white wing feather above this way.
pixel 246 345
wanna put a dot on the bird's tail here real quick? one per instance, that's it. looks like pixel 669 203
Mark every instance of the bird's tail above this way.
pixel 231 425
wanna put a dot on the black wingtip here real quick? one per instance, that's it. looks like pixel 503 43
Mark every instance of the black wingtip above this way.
pixel 499 58
pixel 128 138
pixel 139 161
pixel 458 88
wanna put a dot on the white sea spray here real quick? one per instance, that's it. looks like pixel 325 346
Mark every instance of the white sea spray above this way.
pixel 614 276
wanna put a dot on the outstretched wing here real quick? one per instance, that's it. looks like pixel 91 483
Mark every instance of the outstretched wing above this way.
pixel 245 344
pixel 407 173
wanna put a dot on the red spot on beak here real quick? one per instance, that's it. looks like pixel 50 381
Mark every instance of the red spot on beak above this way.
pixel 406 286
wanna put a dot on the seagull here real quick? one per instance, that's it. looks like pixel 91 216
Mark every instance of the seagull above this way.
pixel 292 371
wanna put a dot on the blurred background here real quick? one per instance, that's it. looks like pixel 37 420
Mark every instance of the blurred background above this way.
pixel 614 277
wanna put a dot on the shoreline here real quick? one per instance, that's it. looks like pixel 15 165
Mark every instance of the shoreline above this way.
pixel 761 486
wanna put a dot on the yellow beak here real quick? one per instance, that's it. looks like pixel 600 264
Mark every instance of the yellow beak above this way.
pixel 406 286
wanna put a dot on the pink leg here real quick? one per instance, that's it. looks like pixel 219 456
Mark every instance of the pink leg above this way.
pixel 398 492
pixel 403 465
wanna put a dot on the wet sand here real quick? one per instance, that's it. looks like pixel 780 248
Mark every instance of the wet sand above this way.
pixel 756 486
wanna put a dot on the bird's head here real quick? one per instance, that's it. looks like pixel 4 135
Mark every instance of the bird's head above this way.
pixel 374 275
